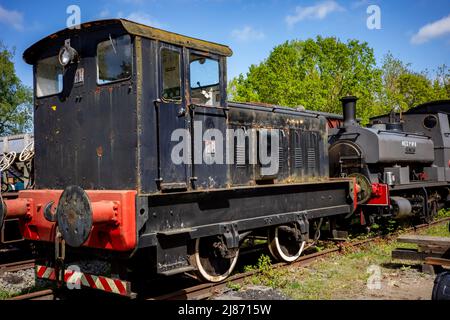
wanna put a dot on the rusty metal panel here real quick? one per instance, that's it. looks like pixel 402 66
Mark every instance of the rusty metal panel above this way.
pixel 86 135
pixel 174 38
pixel 148 152
pixel 210 175
pixel 173 213
pixel 171 116
pixel 303 151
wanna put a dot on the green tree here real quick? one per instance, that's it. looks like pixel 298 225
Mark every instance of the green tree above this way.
pixel 442 82
pixel 15 98
pixel 314 73
pixel 392 69
pixel 415 89
pixel 406 89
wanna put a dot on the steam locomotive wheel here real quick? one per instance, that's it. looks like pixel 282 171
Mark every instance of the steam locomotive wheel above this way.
pixel 283 246
pixel 214 261
pixel 365 192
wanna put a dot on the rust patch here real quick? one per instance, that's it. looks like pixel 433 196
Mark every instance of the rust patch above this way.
pixel 173 38
pixel 100 152
pixel 71 217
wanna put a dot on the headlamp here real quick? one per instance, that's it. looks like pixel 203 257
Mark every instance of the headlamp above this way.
pixel 67 54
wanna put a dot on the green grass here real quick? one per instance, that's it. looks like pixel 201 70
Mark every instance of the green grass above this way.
pixel 341 275
pixel 443 214
pixel 4 295
pixel 437 231
pixel 234 286
pixel 267 276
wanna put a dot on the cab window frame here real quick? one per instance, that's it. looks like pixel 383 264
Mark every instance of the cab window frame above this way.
pixel 219 59
pixel 132 48
pixel 35 80
pixel 179 51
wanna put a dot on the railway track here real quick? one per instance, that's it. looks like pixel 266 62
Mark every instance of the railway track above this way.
pixel 207 290
pixel 46 294
pixel 17 266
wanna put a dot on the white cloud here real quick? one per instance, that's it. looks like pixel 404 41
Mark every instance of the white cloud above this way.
pixel 359 3
pixel 141 17
pixel 247 34
pixel 12 18
pixel 317 12
pixel 432 30
pixel 104 13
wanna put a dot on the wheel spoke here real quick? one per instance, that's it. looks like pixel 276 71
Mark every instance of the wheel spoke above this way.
pixel 283 245
pixel 213 260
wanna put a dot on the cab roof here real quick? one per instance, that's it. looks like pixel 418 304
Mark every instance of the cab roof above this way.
pixel 440 106
pixel 32 53
pixel 432 107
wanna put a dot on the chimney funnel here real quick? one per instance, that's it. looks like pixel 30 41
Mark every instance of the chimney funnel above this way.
pixel 349 110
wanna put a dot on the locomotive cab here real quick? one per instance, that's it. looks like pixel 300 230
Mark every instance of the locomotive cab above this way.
pixel 137 75
pixel 430 119
pixel 108 96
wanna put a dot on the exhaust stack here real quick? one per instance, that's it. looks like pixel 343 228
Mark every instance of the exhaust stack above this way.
pixel 349 110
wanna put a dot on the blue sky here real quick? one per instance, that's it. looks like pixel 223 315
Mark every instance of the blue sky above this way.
pixel 416 31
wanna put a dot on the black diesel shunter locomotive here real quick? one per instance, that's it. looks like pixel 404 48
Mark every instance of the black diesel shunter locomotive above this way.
pixel 108 99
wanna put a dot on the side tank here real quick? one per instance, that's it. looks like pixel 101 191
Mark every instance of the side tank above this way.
pixel 378 145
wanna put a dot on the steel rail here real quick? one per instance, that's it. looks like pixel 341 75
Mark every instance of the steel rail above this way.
pixel 17 266
pixel 46 294
pixel 206 290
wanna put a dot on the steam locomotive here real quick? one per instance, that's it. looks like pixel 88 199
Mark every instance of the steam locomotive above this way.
pixel 400 161
pixel 142 164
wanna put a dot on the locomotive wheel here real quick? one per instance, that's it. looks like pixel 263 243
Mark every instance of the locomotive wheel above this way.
pixel 363 182
pixel 283 246
pixel 211 262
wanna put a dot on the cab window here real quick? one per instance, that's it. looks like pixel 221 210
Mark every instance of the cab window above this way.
pixel 171 75
pixel 204 80
pixel 114 59
pixel 49 77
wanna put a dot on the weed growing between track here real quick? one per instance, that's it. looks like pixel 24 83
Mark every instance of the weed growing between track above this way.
pixel 341 276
